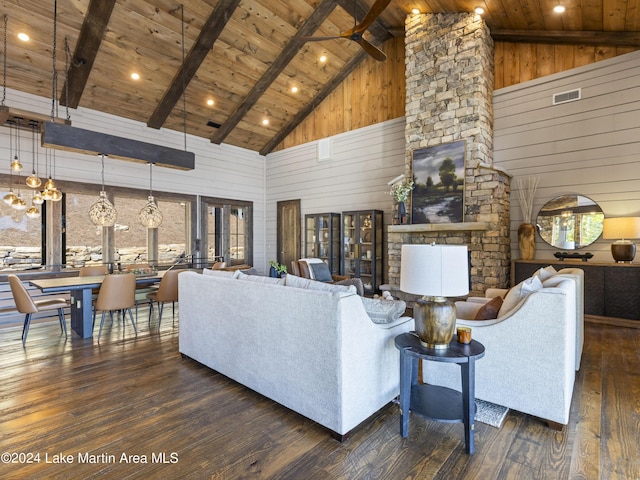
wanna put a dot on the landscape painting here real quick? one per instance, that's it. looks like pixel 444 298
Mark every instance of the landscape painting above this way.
pixel 438 177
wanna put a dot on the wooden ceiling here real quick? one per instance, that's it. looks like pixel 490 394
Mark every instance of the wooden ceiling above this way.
pixel 243 54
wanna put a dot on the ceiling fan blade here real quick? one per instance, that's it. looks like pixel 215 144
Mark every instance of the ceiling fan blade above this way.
pixel 372 50
pixel 371 15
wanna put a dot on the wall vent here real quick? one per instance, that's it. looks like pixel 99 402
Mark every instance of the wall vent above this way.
pixel 324 150
pixel 564 97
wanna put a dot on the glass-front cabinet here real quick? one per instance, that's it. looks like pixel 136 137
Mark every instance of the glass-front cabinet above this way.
pixel 362 247
pixel 322 238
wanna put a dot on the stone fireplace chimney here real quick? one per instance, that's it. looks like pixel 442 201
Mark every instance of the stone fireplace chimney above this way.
pixel 449 98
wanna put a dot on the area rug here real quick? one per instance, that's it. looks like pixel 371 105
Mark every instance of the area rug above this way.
pixel 490 413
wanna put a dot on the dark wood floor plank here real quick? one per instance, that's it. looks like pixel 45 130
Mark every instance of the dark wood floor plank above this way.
pixel 136 395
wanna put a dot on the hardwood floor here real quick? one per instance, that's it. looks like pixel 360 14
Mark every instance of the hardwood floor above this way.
pixel 136 396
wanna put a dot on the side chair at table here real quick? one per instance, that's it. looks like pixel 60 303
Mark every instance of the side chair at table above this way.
pixel 117 293
pixel 167 292
pixel 25 304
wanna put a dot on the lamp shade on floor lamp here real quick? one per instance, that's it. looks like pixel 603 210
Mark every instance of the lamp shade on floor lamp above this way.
pixel 435 272
pixel 622 229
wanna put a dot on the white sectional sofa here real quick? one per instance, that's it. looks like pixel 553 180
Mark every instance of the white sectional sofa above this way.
pixel 532 351
pixel 315 352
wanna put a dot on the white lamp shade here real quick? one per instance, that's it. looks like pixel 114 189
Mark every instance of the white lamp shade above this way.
pixel 434 270
pixel 621 228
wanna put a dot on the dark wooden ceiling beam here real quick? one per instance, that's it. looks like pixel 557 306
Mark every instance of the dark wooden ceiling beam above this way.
pixel 91 34
pixel 279 64
pixel 305 111
pixel 566 37
pixel 210 32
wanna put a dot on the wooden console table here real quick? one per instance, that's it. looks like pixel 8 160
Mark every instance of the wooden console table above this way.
pixel 610 289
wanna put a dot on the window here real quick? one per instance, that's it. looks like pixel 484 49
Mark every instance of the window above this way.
pixel 21 244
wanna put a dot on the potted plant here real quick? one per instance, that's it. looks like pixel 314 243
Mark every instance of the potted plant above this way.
pixel 276 269
pixel 400 193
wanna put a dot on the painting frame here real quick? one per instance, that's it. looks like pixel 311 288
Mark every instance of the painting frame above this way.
pixel 443 201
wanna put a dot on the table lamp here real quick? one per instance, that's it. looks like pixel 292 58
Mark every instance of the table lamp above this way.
pixel 436 272
pixel 622 228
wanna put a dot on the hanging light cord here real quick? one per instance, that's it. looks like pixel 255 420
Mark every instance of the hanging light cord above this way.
pixel 67 57
pixel 102 157
pixel 4 65
pixel 150 179
pixel 54 75
pixel 184 88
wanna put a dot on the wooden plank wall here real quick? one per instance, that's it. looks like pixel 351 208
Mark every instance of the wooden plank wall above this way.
pixel 520 62
pixel 375 92
pixel 589 147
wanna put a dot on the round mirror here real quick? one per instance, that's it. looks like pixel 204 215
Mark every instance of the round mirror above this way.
pixel 570 222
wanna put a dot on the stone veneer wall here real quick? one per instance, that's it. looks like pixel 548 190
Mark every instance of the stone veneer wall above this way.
pixel 449 97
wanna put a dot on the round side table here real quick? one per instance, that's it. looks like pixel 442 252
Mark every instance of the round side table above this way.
pixel 435 402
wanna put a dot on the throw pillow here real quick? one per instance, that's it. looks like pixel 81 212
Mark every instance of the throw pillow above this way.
pixel 321 272
pixel 518 292
pixel 258 279
pixel 308 262
pixel 489 310
pixel 299 282
pixel 383 311
pixel 217 273
pixel 545 273
pixel 356 282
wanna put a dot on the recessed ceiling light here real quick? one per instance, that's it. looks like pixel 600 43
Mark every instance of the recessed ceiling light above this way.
pixel 210 102
pixel 294 89
pixel 323 58
pixel 23 36
pixel 135 76
pixel 559 9
pixel 265 121
pixel 479 10
pixel 415 11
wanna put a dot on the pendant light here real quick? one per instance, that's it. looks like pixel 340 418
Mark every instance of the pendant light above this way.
pixel 19 203
pixel 103 213
pixel 150 216
pixel 16 166
pixel 33 180
pixel 10 197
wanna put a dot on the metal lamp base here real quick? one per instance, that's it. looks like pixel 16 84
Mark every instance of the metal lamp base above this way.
pixel 435 319
pixel 623 251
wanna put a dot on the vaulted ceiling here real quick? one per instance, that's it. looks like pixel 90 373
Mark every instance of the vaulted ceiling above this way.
pixel 245 55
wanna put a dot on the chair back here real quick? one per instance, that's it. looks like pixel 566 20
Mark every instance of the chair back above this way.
pixel 295 268
pixel 93 271
pixel 305 272
pixel 117 292
pixel 137 266
pixel 24 302
pixel 168 289
pixel 219 265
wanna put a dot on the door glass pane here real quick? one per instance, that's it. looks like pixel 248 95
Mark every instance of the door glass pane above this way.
pixel 214 234
pixel 83 238
pixel 238 235
pixel 172 233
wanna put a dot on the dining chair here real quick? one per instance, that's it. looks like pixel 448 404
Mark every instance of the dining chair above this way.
pixel 93 270
pixel 25 304
pixel 167 292
pixel 219 265
pixel 117 293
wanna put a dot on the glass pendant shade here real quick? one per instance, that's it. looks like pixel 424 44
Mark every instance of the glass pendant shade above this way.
pixel 16 166
pixel 150 216
pixel 56 195
pixel 33 212
pixel 49 185
pixel 47 194
pixel 103 213
pixel 33 180
pixel 9 197
pixel 19 203
pixel 37 198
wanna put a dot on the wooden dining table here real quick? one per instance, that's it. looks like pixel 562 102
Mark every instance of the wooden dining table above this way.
pixel 80 289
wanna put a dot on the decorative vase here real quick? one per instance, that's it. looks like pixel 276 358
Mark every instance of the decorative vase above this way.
pixel 527 241
pixel 402 213
pixel 273 273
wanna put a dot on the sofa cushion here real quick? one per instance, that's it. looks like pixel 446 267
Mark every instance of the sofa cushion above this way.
pixel 489 310
pixel 321 272
pixel 518 292
pixel 257 278
pixel 299 282
pixel 383 311
pixel 217 273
